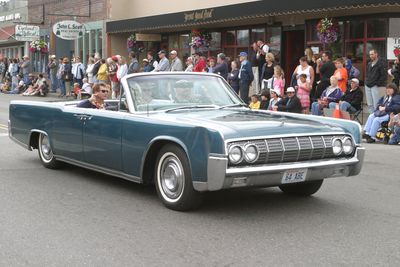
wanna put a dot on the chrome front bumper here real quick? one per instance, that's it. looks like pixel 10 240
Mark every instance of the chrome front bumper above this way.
pixel 222 177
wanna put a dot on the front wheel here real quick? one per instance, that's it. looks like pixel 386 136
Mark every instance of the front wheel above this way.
pixel 46 153
pixel 173 180
pixel 302 189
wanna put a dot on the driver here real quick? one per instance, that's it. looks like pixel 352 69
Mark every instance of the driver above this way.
pixel 184 92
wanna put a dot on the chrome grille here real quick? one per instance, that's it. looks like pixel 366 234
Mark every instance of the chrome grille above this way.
pixel 291 149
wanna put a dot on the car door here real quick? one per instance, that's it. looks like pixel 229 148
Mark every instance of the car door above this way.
pixel 67 133
pixel 102 130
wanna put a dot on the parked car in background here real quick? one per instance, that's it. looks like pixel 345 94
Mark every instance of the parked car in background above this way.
pixel 189 133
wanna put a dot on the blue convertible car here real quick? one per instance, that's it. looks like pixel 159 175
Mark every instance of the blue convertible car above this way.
pixel 189 133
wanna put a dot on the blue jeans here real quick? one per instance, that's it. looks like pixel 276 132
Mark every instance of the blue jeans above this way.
pixel 343 106
pixel 373 124
pixel 62 87
pixel 54 82
pixel 373 95
pixel 316 109
pixel 26 78
pixel 395 139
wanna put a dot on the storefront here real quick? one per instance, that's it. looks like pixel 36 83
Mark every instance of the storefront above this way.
pixel 9 47
pixel 287 27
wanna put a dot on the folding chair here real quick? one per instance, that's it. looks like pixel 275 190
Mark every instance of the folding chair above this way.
pixel 356 116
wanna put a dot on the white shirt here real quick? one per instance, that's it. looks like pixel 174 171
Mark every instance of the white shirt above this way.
pixel 122 71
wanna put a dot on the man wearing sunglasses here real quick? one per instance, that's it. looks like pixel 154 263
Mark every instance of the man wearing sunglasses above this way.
pixel 100 92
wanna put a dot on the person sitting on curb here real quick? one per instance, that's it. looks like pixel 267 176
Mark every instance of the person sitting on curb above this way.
pixel 390 103
pixel 352 99
pixel 330 94
pixel 291 103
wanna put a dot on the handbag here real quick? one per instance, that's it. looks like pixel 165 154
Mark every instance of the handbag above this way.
pixel 379 113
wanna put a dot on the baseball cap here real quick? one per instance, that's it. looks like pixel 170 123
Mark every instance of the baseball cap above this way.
pixel 355 80
pixel 162 52
pixel 114 58
pixel 242 54
pixel 145 60
pixel 274 91
pixel 173 52
pixel 53 56
pixel 290 90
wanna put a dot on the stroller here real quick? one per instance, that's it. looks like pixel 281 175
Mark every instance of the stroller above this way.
pixel 384 132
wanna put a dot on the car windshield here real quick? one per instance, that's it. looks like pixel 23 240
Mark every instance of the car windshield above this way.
pixel 172 91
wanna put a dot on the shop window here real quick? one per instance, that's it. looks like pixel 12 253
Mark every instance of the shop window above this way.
pixel 173 41
pixel 312 32
pixel 355 51
pixel 257 34
pixel 355 29
pixel 377 28
pixel 242 37
pixel 184 47
pixel 273 40
pixel 230 38
pixel 215 44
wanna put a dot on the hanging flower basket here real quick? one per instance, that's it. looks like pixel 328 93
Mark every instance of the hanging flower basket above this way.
pixel 133 45
pixel 38 46
pixel 200 38
pixel 327 31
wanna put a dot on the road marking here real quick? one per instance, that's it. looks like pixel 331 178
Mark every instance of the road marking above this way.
pixel 3 134
pixel 2 126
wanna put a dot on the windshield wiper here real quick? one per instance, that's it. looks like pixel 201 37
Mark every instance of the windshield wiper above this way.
pixel 191 107
pixel 234 105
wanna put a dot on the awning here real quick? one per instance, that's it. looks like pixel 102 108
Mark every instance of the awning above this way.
pixel 238 12
pixel 6 33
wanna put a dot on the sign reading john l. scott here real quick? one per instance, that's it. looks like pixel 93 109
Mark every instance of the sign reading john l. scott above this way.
pixel 27 33
pixel 68 29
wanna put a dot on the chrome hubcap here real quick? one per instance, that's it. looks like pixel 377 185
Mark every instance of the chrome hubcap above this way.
pixel 171 176
pixel 47 153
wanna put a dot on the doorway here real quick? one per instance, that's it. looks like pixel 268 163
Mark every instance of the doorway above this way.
pixel 293 50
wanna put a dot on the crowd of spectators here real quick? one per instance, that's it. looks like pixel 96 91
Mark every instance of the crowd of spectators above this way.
pixel 316 84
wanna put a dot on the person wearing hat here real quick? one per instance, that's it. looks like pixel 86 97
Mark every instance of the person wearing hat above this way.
pixel 245 77
pixel 274 99
pixel 176 63
pixel 146 66
pixel 222 67
pixel 352 99
pixel 291 103
pixel 199 62
pixel 52 69
pixel 163 64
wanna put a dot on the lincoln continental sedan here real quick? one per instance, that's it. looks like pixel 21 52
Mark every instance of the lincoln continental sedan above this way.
pixel 189 133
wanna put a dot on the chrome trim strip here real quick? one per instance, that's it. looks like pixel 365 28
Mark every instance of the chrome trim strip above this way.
pixel 288 166
pixel 299 149
pixel 283 149
pixel 312 148
pixel 323 141
pixel 100 169
pixel 283 136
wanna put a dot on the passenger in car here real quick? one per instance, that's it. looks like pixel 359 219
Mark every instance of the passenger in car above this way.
pixel 100 92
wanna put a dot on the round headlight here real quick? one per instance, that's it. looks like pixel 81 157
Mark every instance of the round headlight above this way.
pixel 235 154
pixel 348 147
pixel 251 153
pixel 337 146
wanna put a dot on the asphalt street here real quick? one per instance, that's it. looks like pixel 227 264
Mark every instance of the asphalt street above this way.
pixel 76 217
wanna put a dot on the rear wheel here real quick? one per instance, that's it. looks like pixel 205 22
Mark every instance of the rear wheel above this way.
pixel 173 180
pixel 302 189
pixel 46 153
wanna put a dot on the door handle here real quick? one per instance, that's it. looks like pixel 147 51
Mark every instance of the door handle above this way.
pixel 82 116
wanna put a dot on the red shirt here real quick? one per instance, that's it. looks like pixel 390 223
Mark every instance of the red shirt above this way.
pixel 200 66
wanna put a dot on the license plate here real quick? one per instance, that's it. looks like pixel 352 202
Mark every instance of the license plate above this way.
pixel 294 176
